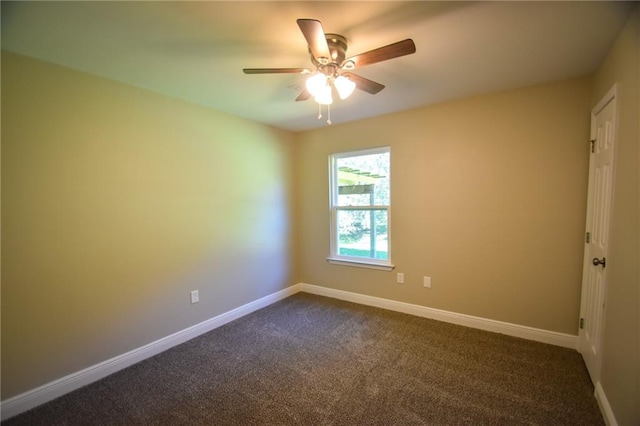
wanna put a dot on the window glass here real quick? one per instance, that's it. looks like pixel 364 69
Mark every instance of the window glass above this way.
pixel 363 180
pixel 356 236
pixel 360 204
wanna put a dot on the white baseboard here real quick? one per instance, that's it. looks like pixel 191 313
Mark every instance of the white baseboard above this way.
pixel 49 391
pixel 605 408
pixel 530 333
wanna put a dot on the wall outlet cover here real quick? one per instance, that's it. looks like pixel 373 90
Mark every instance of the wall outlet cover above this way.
pixel 426 282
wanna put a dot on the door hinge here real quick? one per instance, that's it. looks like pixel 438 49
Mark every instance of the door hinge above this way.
pixel 581 323
pixel 593 145
pixel 587 238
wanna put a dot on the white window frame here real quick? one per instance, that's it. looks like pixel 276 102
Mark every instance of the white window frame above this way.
pixel 334 256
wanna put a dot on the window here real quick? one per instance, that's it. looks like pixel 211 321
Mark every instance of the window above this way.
pixel 360 205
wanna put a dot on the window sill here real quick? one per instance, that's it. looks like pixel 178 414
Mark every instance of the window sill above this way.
pixel 361 264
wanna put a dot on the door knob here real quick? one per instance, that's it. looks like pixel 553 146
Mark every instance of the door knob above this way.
pixel 602 261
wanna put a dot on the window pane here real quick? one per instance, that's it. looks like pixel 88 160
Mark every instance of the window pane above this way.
pixel 363 180
pixel 356 236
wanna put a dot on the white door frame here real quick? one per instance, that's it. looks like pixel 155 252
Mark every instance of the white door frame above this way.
pixel 590 345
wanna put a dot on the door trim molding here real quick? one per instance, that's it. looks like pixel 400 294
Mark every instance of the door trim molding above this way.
pixel 611 94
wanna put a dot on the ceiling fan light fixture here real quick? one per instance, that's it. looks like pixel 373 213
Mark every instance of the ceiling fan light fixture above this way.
pixel 323 97
pixel 344 86
pixel 316 83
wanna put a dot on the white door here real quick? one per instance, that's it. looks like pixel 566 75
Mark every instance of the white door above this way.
pixel 601 173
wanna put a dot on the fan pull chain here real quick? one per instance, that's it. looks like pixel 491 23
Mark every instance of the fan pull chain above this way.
pixel 328 113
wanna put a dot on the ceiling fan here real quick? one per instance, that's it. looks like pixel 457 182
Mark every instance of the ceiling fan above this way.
pixel 332 70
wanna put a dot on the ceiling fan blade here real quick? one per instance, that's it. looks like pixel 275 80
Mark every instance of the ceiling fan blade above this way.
pixel 314 34
pixel 364 83
pixel 276 71
pixel 303 96
pixel 395 50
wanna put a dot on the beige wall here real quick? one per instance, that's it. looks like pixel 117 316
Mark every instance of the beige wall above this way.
pixel 620 376
pixel 117 202
pixel 488 198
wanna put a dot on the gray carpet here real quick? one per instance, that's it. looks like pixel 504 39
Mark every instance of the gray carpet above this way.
pixel 311 360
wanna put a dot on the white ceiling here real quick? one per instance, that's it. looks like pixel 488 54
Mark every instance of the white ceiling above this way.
pixel 196 50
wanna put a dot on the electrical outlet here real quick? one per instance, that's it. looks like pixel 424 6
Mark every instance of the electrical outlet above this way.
pixel 426 282
pixel 195 297
pixel 400 278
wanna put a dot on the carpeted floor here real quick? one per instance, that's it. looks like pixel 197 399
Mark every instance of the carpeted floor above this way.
pixel 311 360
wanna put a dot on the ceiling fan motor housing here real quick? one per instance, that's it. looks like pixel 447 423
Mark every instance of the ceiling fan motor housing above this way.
pixel 337 48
